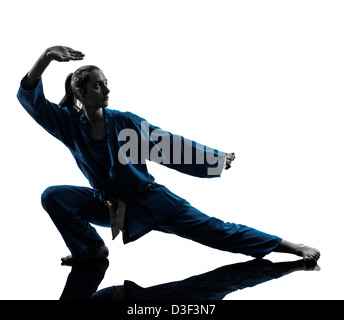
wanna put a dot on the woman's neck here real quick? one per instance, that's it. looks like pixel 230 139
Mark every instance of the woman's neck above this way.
pixel 95 117
pixel 97 123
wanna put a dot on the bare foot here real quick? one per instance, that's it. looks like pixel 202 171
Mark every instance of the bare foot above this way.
pixel 101 253
pixel 310 255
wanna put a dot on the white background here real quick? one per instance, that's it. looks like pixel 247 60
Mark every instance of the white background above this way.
pixel 263 79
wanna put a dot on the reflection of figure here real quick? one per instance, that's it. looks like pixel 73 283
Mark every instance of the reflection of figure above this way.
pixel 85 277
pixel 137 204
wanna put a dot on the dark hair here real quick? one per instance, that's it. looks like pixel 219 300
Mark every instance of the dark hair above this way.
pixel 76 80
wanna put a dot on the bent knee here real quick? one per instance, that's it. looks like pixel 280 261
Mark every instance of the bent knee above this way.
pixel 49 195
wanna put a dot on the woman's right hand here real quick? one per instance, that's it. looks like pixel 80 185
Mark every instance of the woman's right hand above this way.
pixel 63 54
pixel 57 53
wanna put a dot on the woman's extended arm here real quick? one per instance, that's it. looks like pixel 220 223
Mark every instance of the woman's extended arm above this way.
pixel 57 53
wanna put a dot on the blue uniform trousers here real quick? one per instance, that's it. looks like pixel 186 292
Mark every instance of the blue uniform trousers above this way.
pixel 73 208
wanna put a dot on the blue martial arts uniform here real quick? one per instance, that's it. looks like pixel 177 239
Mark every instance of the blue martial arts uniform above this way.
pixel 72 208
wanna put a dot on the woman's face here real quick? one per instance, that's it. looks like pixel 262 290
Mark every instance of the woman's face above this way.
pixel 97 92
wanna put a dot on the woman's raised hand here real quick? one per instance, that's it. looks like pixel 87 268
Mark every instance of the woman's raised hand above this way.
pixel 63 54
pixel 57 53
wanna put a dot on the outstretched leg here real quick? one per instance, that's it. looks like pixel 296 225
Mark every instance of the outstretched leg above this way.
pixel 197 226
pixel 192 224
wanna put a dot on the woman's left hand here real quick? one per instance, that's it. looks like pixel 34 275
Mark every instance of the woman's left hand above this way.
pixel 229 158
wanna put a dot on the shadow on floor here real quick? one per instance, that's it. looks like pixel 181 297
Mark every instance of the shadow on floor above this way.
pixel 84 279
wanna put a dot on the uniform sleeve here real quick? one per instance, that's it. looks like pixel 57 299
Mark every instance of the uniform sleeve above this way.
pixel 184 155
pixel 53 118
pixel 173 151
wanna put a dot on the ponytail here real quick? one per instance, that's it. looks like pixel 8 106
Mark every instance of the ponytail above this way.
pixel 75 81
pixel 68 101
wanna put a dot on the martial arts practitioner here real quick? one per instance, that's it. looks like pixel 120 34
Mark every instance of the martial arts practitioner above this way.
pixel 124 196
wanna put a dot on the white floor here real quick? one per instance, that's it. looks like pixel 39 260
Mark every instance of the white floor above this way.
pixel 33 271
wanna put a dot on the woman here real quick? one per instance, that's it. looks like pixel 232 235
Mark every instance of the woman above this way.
pixel 124 196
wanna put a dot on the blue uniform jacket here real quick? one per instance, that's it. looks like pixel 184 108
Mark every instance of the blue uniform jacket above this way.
pixel 148 208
